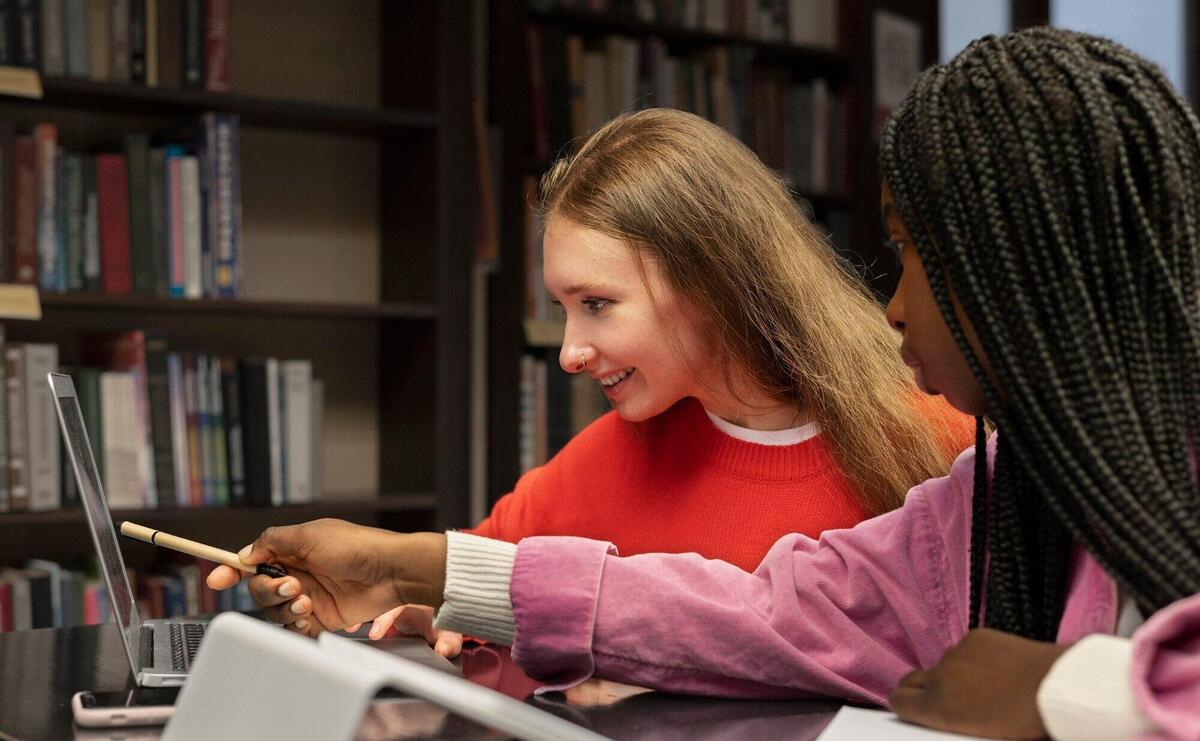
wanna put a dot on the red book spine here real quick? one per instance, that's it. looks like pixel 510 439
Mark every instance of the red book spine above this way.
pixel 112 185
pixel 216 45
pixel 24 206
pixel 91 604
pixel 6 621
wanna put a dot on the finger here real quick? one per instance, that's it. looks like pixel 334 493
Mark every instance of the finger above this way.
pixel 274 542
pixel 909 704
pixel 417 620
pixel 380 625
pixel 308 625
pixel 914 679
pixel 289 612
pixel 449 644
pixel 354 628
pixel 269 592
pixel 223 577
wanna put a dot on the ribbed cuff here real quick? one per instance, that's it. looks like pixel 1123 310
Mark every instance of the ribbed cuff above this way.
pixel 477 601
pixel 1087 694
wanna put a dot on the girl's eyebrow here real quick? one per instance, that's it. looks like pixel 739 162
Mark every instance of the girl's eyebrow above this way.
pixel 584 288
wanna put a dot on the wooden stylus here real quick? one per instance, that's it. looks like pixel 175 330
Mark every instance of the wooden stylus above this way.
pixel 199 550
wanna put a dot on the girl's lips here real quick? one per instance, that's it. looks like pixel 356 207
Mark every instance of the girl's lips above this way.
pixel 910 361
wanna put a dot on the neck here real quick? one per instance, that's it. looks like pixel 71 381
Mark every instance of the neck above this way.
pixel 758 413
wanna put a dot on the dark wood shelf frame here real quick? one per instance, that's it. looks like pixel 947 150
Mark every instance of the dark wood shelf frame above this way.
pixel 817 62
pixel 414 311
pixel 112 97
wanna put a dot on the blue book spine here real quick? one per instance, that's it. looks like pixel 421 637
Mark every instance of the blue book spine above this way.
pixel 224 202
pixel 176 261
pixel 174 604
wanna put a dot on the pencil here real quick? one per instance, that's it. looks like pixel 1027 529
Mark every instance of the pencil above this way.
pixel 199 550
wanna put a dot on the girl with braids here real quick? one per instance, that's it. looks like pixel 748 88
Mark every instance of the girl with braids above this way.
pixel 1042 191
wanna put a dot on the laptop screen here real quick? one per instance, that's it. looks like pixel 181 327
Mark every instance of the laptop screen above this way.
pixel 96 507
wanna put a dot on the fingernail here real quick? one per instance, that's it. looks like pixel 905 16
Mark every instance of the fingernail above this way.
pixel 302 624
pixel 298 607
pixel 375 634
pixel 245 552
pixel 287 589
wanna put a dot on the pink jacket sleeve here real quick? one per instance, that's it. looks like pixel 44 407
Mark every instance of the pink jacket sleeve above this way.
pixel 845 616
pixel 1166 669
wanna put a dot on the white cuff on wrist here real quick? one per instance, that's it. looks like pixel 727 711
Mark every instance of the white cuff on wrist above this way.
pixel 477 601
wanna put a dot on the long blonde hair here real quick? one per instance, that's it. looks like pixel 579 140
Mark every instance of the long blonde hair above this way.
pixel 732 241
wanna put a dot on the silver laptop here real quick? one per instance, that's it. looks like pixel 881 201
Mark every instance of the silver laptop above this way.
pixel 160 652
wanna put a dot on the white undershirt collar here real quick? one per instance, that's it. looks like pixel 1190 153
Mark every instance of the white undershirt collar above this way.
pixel 793 436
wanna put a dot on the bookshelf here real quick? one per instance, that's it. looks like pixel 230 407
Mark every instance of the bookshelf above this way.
pixel 846 66
pixel 356 156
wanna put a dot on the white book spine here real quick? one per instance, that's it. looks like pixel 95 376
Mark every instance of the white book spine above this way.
pixel 120 440
pixel 297 383
pixel 318 438
pixel 204 431
pixel 179 442
pixel 192 250
pixel 274 431
pixel 45 491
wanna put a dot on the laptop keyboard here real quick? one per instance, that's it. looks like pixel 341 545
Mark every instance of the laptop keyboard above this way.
pixel 185 642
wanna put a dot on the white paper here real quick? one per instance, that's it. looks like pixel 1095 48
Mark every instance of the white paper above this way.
pixel 860 724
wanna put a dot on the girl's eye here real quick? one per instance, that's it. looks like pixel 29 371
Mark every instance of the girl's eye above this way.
pixel 594 305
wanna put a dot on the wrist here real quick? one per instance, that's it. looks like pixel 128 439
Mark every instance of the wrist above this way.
pixel 417 564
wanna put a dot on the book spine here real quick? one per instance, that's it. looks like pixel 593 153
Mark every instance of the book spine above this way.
pixel 75 18
pixel 318 438
pixel 66 475
pixel 14 397
pixel 137 42
pixel 232 415
pixel 7 139
pixel 112 184
pixel 54 61
pixel 256 436
pixel 25 206
pixel 217 34
pixel 191 213
pixel 216 418
pixel 225 206
pixel 45 492
pixel 87 388
pixel 297 383
pixel 41 613
pixel 137 153
pixel 275 431
pixel 159 241
pixel 181 459
pixel 91 226
pixel 204 426
pixel 119 40
pixel 99 42
pixel 8 33
pixel 176 262
pixel 195 464
pixel 159 391
pixel 192 34
pixel 170 43
pixel 6 624
pixel 75 212
pixel 120 459
pixel 29 34
pixel 151 42
pixel 5 503
pixel 45 137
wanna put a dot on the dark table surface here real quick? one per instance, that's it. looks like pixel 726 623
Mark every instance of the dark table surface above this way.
pixel 41 669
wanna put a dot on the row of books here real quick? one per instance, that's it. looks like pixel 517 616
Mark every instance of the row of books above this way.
pixel 152 218
pixel 555 406
pixel 800 22
pixel 577 85
pixel 157 43
pixel 168 429
pixel 44 594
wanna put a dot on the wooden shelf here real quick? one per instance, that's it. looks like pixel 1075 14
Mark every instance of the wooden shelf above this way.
pixel 75 93
pixel 818 61
pixel 57 302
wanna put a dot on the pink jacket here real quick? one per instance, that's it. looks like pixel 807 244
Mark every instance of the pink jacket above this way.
pixel 846 616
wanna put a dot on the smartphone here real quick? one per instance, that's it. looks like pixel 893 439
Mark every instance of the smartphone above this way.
pixel 137 707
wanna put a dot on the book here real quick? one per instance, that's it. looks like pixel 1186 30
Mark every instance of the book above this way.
pixel 232 416
pixel 54 61
pixel 118 40
pixel 127 351
pixel 220 186
pixel 180 452
pixel 99 39
pixel 21 615
pixel 7 137
pixel 15 421
pixel 158 391
pixel 216 418
pixel 204 431
pixel 191 215
pixel 6 624
pixel 137 156
pixel 137 41
pixel 87 390
pixel 24 210
pixel 160 244
pixel 318 438
pixel 29 33
pixel 256 433
pixel 75 19
pixel 151 42
pixel 176 260
pixel 5 503
pixel 170 43
pixel 193 44
pixel 8 33
pixel 91 226
pixel 275 432
pixel 296 421
pixel 51 273
pixel 217 37
pixel 122 487
pixel 44 464
pixel 74 209
pixel 113 190
pixel 195 457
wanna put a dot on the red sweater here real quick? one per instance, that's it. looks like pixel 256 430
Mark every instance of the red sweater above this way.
pixel 677 484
